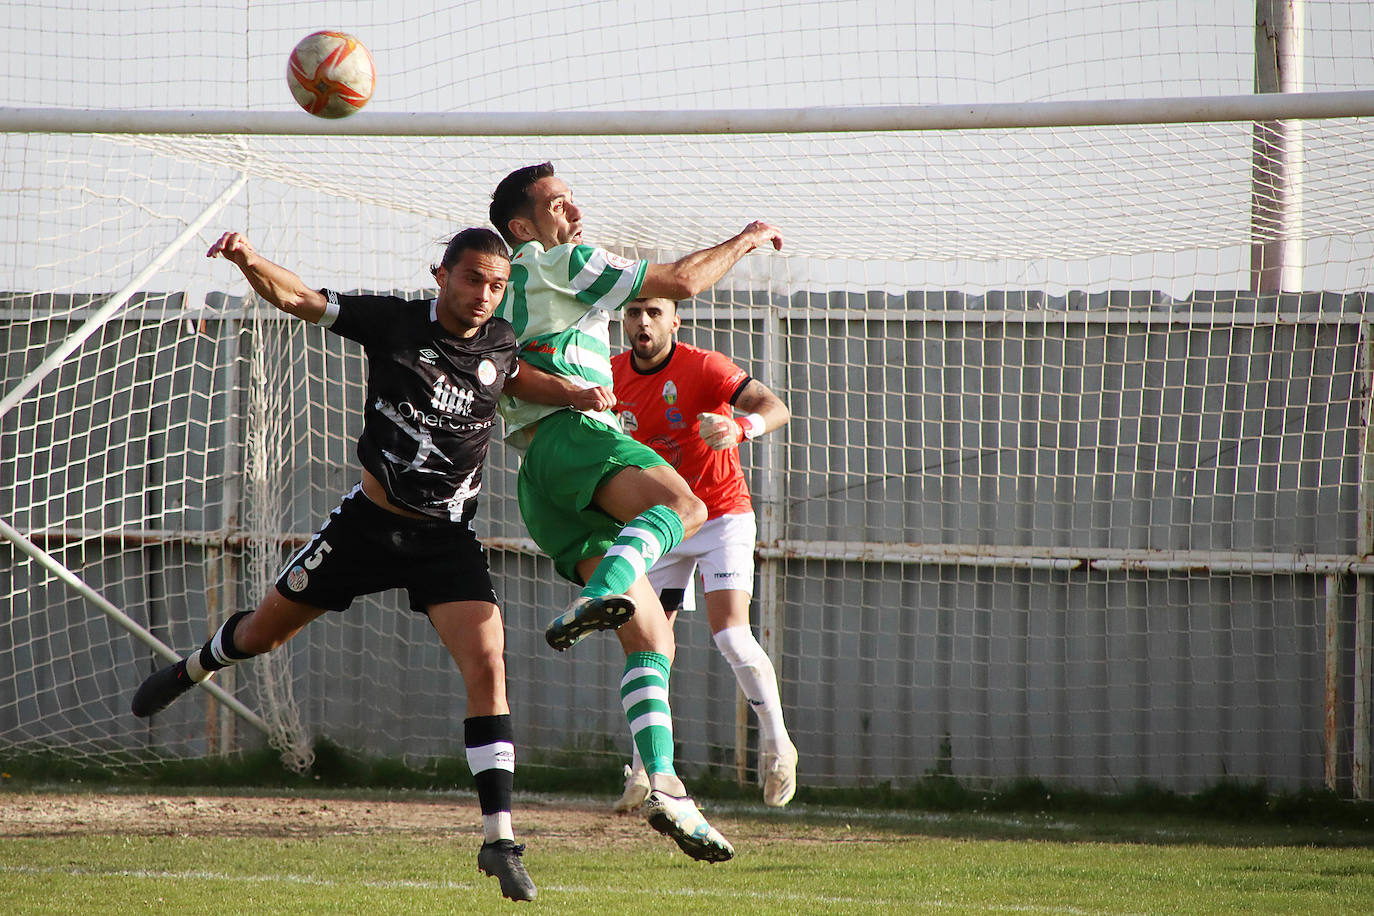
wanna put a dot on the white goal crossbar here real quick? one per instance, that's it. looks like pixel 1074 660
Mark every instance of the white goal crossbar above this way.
pixel 1257 107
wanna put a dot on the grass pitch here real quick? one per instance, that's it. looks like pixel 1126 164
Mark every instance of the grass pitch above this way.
pixel 414 853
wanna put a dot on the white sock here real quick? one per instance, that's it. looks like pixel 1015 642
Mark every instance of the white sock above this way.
pixel 193 668
pixel 497 827
pixel 759 682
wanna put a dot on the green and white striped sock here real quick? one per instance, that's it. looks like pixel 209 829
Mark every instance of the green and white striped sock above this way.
pixel 644 696
pixel 647 536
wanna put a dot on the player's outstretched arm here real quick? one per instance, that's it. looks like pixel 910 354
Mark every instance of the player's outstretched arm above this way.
pixel 764 411
pixel 701 270
pixel 272 282
pixel 540 387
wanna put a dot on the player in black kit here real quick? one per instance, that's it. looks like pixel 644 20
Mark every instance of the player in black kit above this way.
pixel 435 369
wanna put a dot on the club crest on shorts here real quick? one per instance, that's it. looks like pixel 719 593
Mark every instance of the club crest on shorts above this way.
pixel 669 392
pixel 297 579
pixel 486 372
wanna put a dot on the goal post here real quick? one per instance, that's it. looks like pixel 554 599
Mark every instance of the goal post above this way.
pixel 1065 494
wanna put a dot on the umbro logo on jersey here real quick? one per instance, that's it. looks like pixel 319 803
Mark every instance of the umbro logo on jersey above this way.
pixel 428 355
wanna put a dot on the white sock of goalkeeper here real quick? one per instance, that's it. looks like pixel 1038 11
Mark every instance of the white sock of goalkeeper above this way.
pixel 758 681
pixel 490 742
pixel 219 652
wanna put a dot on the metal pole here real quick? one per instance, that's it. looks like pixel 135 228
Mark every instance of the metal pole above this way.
pixel 231 492
pixel 769 505
pixel 1276 253
pixel 53 565
pixel 1364 545
pixel 1332 706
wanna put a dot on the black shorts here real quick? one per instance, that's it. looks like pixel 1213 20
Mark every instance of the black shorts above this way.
pixel 364 548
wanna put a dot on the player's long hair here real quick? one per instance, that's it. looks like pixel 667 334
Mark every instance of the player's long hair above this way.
pixel 482 241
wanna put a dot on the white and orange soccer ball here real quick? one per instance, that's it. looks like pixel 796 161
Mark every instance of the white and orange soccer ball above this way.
pixel 331 74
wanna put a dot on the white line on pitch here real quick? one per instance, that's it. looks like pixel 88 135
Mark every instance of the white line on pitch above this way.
pixel 469 885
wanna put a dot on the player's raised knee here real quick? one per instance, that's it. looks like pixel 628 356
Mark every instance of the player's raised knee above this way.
pixel 692 511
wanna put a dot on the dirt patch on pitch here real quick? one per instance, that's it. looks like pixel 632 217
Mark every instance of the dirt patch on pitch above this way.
pixel 587 822
pixel 42 814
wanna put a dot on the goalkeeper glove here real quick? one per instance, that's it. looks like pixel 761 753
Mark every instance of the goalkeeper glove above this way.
pixel 725 432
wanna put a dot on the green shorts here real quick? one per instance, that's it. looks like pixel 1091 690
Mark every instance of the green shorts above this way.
pixel 570 457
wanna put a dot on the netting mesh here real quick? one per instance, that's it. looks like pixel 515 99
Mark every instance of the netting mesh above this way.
pixel 265 523
pixel 1061 497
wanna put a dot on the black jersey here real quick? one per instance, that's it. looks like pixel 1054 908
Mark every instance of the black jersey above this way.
pixel 431 399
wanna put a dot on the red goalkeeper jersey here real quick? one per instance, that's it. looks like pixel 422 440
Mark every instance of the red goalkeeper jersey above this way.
pixel 660 407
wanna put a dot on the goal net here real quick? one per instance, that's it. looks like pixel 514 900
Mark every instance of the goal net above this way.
pixel 1076 485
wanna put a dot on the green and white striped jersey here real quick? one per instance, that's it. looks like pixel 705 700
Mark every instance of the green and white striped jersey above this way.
pixel 559 302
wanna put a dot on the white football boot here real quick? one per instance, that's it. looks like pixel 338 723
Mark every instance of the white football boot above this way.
pixel 678 817
pixel 778 773
pixel 636 790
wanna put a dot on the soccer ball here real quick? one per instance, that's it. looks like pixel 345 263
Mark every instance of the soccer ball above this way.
pixel 331 74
